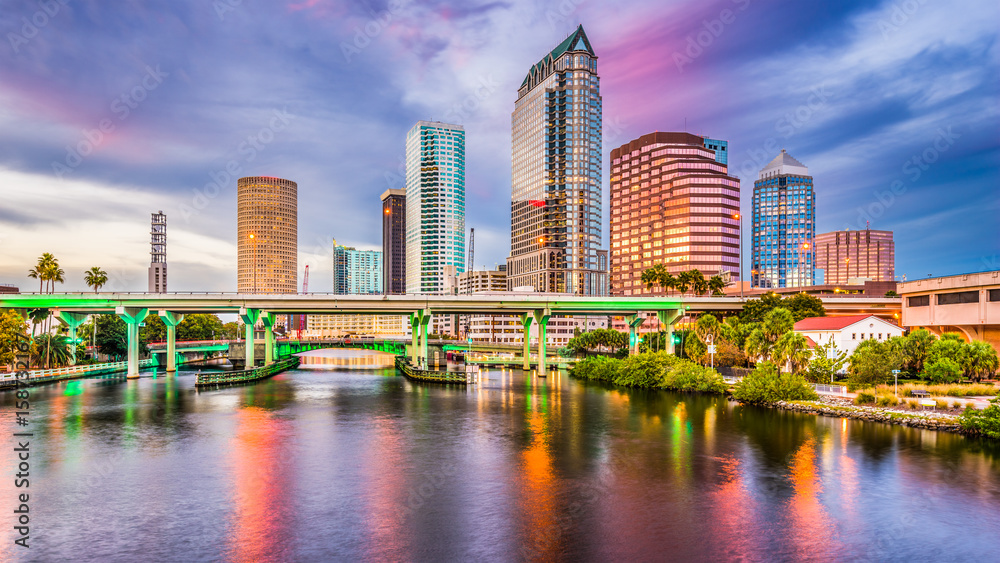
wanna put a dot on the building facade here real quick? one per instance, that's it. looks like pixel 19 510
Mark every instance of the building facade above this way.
pixel 856 255
pixel 846 332
pixel 672 202
pixel 394 242
pixel 483 280
pixel 267 235
pixel 784 225
pixel 339 326
pixel 158 253
pixel 556 174
pixel 435 204
pixel 967 303
pixel 356 272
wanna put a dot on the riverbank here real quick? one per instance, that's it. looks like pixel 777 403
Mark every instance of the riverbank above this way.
pixel 842 408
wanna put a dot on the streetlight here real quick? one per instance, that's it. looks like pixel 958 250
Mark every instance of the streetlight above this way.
pixel 802 255
pixel 739 218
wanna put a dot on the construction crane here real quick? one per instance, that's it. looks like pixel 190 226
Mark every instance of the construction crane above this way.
pixel 305 289
pixel 472 249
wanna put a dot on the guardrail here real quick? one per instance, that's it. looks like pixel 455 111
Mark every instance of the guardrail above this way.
pixel 81 369
pixel 459 377
pixel 218 379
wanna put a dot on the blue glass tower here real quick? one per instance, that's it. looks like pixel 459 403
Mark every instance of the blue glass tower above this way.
pixel 784 225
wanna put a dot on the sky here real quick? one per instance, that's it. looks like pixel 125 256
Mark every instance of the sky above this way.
pixel 110 111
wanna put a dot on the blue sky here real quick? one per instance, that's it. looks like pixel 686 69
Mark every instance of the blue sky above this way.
pixel 894 106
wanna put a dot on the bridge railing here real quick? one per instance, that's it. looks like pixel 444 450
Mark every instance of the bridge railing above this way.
pixel 70 370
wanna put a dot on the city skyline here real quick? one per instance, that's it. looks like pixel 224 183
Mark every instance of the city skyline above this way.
pixel 894 113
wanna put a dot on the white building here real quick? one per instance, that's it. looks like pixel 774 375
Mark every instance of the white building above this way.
pixel 338 326
pixel 507 329
pixel 847 332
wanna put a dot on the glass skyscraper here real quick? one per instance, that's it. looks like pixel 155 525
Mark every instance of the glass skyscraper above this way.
pixel 784 225
pixel 556 221
pixel 435 204
pixel 356 272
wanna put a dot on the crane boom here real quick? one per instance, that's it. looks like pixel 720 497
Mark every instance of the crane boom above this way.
pixel 472 249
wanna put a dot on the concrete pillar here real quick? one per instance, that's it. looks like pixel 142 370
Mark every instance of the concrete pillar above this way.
pixel 526 325
pixel 634 322
pixel 267 319
pixel 668 318
pixel 132 317
pixel 542 318
pixel 73 321
pixel 425 319
pixel 249 318
pixel 171 320
pixel 414 333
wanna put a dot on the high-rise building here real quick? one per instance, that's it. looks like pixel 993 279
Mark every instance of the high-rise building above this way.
pixel 158 253
pixel 394 242
pixel 435 204
pixel 853 255
pixel 672 202
pixel 356 272
pixel 555 230
pixel 784 225
pixel 267 235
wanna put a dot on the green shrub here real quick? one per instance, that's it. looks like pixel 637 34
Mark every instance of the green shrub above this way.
pixel 887 401
pixel 985 422
pixel 767 385
pixel 944 370
pixel 597 368
pixel 941 404
pixel 685 375
pixel 641 370
pixel 864 398
pixel 913 404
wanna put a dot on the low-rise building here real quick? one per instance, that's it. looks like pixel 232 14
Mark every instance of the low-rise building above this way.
pixel 967 303
pixel 846 332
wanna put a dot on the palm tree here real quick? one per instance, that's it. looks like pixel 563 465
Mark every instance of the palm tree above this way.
pixel 54 275
pixel 648 278
pixel 667 281
pixel 59 345
pixel 698 283
pixel 978 360
pixel 95 278
pixel 37 273
pixel 683 282
pixel 716 285
pixel 792 350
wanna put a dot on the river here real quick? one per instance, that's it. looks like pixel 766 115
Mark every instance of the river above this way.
pixel 349 465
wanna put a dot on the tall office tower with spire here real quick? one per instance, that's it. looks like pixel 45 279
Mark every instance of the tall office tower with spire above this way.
pixel 158 253
pixel 555 231
pixel 267 235
pixel 435 205
pixel 394 242
pixel 784 225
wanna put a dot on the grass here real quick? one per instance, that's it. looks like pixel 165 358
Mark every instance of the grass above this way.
pixel 865 398
pixel 941 404
pixel 944 390
pixel 886 401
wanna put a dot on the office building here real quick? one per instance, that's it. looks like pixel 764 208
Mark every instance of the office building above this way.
pixel 784 225
pixel 856 256
pixel 394 242
pixel 483 280
pixel 672 202
pixel 267 235
pixel 356 272
pixel 556 174
pixel 158 253
pixel 435 204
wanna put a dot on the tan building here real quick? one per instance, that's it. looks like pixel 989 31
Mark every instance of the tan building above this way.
pixel 507 329
pixel 337 326
pixel 967 303
pixel 856 255
pixel 482 280
pixel 267 235
pixel 672 202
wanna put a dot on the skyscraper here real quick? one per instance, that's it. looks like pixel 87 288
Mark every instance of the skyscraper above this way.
pixel 435 204
pixel 784 224
pixel 845 255
pixel 158 253
pixel 555 230
pixel 672 202
pixel 394 242
pixel 356 271
pixel 267 235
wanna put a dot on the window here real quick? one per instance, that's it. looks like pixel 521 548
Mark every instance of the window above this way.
pixel 919 301
pixel 854 336
pixel 994 295
pixel 957 298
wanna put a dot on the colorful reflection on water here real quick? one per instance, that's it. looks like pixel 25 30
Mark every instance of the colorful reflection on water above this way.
pixel 365 465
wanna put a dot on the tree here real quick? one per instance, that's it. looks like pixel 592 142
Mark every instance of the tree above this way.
pixel 803 306
pixel 683 282
pixel 872 363
pixel 153 331
pixel 57 349
pixel 766 384
pixel 755 309
pixel 707 325
pixel 667 281
pixel 916 348
pixel 944 370
pixel 199 327
pixel 95 278
pixel 112 338
pixel 891 293
pixel 694 348
pixel 949 346
pixel 12 328
pixel 826 362
pixel 978 360
pixel 791 349
pixel 760 343
pixel 716 285
pixel 698 283
pixel 230 331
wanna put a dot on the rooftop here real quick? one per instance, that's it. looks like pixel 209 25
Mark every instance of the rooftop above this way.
pixel 783 164
pixel 577 41
pixel 830 323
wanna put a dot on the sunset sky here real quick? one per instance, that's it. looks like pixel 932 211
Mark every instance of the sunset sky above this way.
pixel 111 111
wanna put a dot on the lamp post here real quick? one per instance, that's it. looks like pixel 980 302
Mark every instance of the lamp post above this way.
pixel 739 218
pixel 802 268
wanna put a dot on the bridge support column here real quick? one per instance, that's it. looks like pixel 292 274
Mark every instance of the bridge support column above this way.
pixel 634 322
pixel 249 318
pixel 73 321
pixel 132 317
pixel 526 331
pixel 171 320
pixel 267 319
pixel 542 318
pixel 668 318
pixel 418 329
